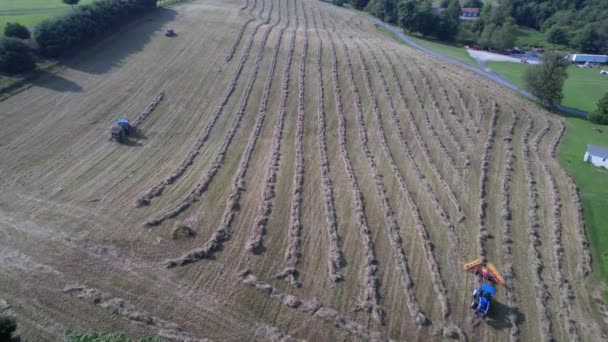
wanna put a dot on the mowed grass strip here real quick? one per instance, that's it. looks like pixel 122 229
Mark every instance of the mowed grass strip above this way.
pixel 31 12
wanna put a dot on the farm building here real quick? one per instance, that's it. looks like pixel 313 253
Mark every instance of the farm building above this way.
pixel 581 58
pixel 597 155
pixel 468 13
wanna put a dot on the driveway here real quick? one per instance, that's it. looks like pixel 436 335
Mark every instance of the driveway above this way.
pixel 489 74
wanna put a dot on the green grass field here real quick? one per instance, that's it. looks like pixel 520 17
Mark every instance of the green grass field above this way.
pixel 527 37
pixel 582 90
pixel 592 182
pixel 31 12
pixel 451 50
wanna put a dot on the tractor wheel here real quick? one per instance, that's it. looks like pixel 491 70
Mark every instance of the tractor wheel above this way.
pixel 474 304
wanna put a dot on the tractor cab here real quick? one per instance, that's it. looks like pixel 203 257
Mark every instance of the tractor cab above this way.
pixel 169 32
pixel 482 296
pixel 121 129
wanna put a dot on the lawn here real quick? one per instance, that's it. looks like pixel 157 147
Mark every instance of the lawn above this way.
pixel 31 12
pixel 582 90
pixel 592 182
pixel 451 50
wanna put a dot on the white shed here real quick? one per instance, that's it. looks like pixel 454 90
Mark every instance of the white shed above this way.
pixel 597 155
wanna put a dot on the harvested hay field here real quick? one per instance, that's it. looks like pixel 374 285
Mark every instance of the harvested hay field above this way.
pixel 327 177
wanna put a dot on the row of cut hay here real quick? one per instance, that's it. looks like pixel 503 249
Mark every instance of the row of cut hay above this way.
pixel 566 294
pixel 424 183
pixel 536 264
pixel 369 300
pixel 483 234
pixel 390 220
pixel 312 307
pixel 446 155
pixel 126 310
pixel 218 161
pixel 467 112
pixel 241 31
pixel 149 109
pixel 224 232
pixel 584 267
pixel 460 120
pixel 261 11
pixel 335 259
pixel 506 219
pixel 294 243
pixel 157 190
pixel 425 150
pixel 438 286
pixel 256 237
pixel 444 122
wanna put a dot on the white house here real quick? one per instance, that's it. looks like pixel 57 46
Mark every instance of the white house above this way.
pixel 597 155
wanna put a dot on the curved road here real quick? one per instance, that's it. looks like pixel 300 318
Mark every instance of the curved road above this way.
pixel 489 75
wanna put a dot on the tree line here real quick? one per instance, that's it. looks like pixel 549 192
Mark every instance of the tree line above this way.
pixel 62 35
pixel 581 25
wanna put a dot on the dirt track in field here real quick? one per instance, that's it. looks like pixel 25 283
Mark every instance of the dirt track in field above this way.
pixel 301 145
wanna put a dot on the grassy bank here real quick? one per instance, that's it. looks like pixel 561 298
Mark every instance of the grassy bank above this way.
pixel 449 49
pixel 592 182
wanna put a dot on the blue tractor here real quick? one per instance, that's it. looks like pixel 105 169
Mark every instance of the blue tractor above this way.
pixel 121 129
pixel 482 297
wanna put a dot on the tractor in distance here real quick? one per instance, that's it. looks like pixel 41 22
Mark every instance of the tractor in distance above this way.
pixel 121 130
pixel 169 32
pixel 485 291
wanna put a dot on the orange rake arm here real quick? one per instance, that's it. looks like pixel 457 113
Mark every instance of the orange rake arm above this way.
pixel 495 274
pixel 473 265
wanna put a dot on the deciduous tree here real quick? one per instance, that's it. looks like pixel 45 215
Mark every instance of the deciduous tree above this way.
pixel 546 80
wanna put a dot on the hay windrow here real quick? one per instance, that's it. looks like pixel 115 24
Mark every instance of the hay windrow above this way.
pixel 335 258
pixel 446 155
pixel 312 307
pixel 369 299
pixel 293 251
pixel 220 156
pixel 534 242
pixel 566 294
pixel 149 109
pixel 483 233
pixel 128 311
pixel 428 190
pixel 390 220
pixel 506 228
pixel 444 121
pixel 256 237
pixel 425 150
pixel 584 267
pixel 438 286
pixel 157 190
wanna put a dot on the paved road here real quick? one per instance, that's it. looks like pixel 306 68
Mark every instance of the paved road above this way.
pixel 491 75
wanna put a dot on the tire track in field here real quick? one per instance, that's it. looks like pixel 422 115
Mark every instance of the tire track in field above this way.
pixel 158 189
pixel 256 236
pixel 369 299
pixel 293 252
pixel 391 225
pixel 220 156
pixel 542 293
pixel 566 294
pixel 224 232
